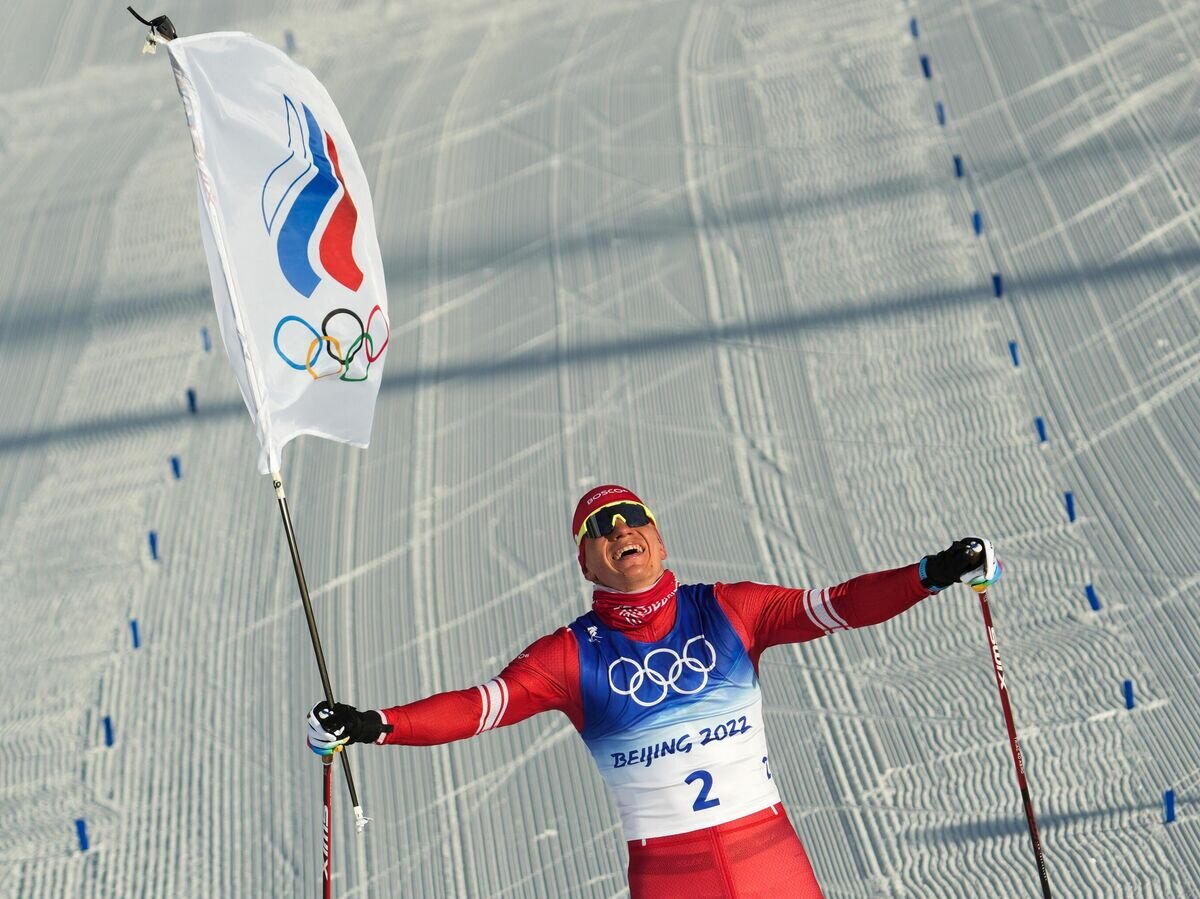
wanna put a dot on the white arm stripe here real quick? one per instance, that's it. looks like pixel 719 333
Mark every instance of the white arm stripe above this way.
pixel 495 705
pixel 504 696
pixel 808 610
pixel 827 604
pixel 821 611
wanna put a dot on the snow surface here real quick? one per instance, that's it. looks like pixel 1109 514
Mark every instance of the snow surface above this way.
pixel 714 250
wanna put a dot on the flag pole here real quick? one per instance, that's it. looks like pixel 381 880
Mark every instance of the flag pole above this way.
pixel 162 30
pixel 360 821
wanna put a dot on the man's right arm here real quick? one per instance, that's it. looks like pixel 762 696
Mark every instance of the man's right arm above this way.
pixel 544 677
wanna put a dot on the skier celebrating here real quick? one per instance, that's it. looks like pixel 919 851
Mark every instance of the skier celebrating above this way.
pixel 661 681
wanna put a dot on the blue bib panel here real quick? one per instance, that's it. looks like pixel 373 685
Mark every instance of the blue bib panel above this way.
pixel 699 665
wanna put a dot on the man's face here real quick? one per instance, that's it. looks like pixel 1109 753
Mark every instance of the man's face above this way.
pixel 628 559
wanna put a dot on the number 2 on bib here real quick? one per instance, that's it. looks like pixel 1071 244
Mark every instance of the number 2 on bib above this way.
pixel 703 801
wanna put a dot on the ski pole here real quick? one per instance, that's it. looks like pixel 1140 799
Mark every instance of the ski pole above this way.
pixel 327 824
pixel 1018 758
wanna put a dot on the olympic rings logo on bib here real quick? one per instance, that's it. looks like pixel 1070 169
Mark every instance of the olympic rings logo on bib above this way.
pixel 683 673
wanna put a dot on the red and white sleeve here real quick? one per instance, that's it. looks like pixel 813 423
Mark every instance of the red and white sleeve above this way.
pixel 542 678
pixel 766 615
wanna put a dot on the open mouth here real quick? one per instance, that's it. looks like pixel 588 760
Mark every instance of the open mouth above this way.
pixel 626 552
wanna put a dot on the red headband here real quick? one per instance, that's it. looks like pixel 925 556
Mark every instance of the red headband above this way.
pixel 593 500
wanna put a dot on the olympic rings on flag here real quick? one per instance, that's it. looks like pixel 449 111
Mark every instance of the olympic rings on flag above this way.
pixel 644 672
pixel 355 336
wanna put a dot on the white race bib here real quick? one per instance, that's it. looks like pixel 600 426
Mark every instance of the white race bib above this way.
pixel 690 775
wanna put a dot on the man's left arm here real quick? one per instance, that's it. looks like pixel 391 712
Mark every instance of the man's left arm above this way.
pixel 767 615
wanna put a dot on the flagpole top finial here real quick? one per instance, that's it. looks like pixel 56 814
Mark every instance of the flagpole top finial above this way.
pixel 162 30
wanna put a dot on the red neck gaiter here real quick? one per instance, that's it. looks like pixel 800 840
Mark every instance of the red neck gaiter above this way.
pixel 645 616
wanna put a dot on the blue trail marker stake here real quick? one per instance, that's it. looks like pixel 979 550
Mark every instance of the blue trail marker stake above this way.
pixel 81 832
pixel 1040 424
pixel 289 41
pixel 1127 689
pixel 1012 351
pixel 1069 499
pixel 154 545
pixel 941 112
pixel 997 285
pixel 191 400
pixel 176 467
pixel 912 26
pixel 977 221
pixel 108 730
pixel 205 339
pixel 1093 600
pixel 133 629
pixel 925 66
pixel 1168 806
pixel 958 166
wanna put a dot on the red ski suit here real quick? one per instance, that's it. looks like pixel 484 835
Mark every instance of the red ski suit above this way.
pixel 757 855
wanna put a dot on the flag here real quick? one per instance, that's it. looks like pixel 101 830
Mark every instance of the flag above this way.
pixel 289 232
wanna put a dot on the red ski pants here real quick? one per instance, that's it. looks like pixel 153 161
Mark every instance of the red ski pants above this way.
pixel 755 857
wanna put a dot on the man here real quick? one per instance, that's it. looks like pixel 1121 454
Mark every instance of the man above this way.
pixel 661 681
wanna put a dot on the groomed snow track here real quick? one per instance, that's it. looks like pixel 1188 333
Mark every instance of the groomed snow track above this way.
pixel 716 250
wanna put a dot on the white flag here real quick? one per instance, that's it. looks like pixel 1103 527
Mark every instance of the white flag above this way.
pixel 289 233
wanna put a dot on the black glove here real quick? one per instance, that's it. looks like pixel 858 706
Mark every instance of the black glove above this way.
pixel 970 555
pixel 331 728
